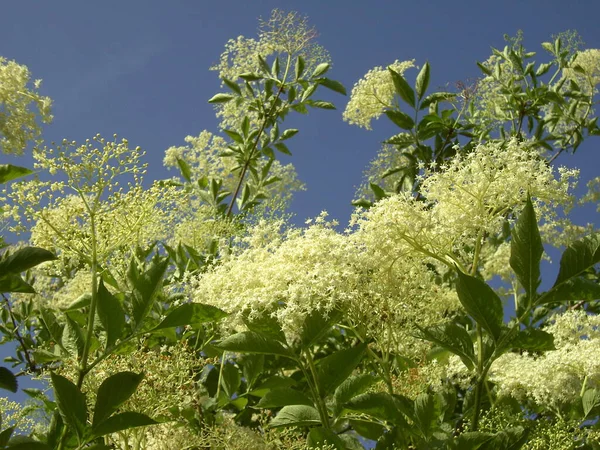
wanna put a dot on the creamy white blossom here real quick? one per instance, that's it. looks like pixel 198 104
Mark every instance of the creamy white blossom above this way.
pixel 373 94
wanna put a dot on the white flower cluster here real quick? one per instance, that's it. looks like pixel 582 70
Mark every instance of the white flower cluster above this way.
pixel 20 107
pixel 557 376
pixel 373 94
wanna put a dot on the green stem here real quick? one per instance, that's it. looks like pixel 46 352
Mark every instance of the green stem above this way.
pixel 258 136
pixel 315 388
pixel 220 376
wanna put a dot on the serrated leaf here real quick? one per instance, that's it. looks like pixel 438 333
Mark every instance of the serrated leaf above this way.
pixel 481 303
pixel 296 416
pixel 233 86
pixel 299 66
pixel 422 82
pixel 122 421
pixel 274 382
pixel 590 400
pixel 8 172
pixel 5 436
pixel 282 148
pixel 333 85
pixel 334 369
pixel 71 404
pixel 426 412
pixel 526 250
pixel 265 325
pixel 146 285
pixel 533 340
pixel 230 379
pixel 351 387
pixel 316 325
pixel 377 191
pixel 579 257
pixel 276 398
pixel 191 314
pixel 320 104
pixel 113 392
pixel 24 259
pixel 185 170
pixel 402 120
pixel 8 380
pixel 249 76
pixel 220 98
pixel 320 70
pixel 402 88
pixel 14 283
pixel 251 342
pixel 72 338
pixel 575 289
pixel 436 97
pixel 453 338
pixel 288 133
pixel 383 406
pixel 111 315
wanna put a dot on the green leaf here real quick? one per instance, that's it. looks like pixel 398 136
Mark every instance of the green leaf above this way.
pixel 8 172
pixel 274 382
pixel 578 258
pixel 436 97
pixel 575 289
pixel 526 250
pixel 486 70
pixel 276 398
pixel 72 338
pixel 383 406
pixel 471 440
pixel 320 104
pixel 5 436
pixel 481 303
pixel 368 429
pixel 251 342
pixel 320 437
pixel 351 387
pixel 402 88
pixel 401 119
pixel 221 98
pixel 453 338
pixel 233 86
pixel 146 285
pixel 283 148
pixel 191 314
pixel 71 404
pixel 590 400
pixel 288 134
pixel 533 340
pixel 231 379
pixel 299 66
pixel 122 421
pixel 184 168
pixel 24 259
pixel 426 412
pixel 333 85
pixel 110 314
pixel 249 76
pixel 8 380
pixel 14 283
pixel 113 392
pixel 296 416
pixel 265 325
pixel 252 368
pixel 422 82
pixel 320 70
pixel 316 325
pixel 379 192
pixel 335 368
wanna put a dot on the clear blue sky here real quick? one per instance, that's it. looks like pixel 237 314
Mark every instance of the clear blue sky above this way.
pixel 139 68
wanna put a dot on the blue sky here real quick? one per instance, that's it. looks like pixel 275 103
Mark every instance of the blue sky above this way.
pixel 139 68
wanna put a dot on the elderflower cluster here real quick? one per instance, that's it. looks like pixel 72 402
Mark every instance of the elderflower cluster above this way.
pixel 20 107
pixel 87 212
pixel 469 196
pixel 373 94
pixel 589 61
pixel 557 376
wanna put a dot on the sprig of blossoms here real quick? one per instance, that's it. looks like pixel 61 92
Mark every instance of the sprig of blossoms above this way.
pixel 373 94
pixel 20 107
